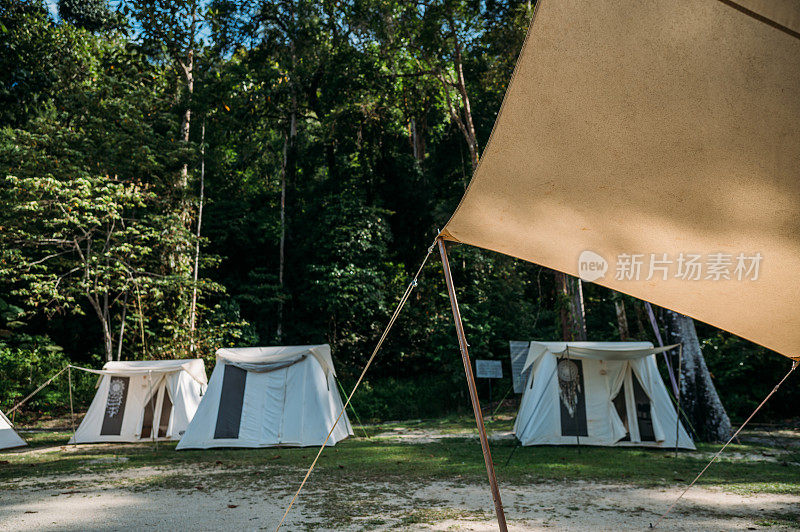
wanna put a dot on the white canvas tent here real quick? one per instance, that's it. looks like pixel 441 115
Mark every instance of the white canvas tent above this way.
pixel 269 396
pixel 597 393
pixel 143 400
pixel 8 436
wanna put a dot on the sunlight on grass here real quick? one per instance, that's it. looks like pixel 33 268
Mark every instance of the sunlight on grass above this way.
pixel 48 456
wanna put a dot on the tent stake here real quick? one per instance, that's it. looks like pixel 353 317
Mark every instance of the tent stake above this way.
pixel 473 393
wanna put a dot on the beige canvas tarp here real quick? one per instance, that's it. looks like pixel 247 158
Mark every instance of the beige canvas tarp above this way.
pixel 658 127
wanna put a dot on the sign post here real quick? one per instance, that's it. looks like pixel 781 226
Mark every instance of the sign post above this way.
pixel 489 369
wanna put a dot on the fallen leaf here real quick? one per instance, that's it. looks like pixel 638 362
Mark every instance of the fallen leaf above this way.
pixel 233 505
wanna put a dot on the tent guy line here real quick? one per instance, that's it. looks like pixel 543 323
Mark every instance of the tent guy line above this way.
pixel 795 363
pixel 39 389
pixel 395 314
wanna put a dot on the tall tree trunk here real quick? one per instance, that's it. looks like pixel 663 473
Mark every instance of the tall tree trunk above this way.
pixel 193 309
pixel 577 309
pixel 462 118
pixel 638 312
pixel 122 326
pixel 699 397
pixel 469 125
pixel 653 322
pixel 108 339
pixel 288 146
pixel 562 300
pixel 622 319
pixel 571 308
pixel 416 134
pixel 181 261
pixel 281 248
pixel 187 65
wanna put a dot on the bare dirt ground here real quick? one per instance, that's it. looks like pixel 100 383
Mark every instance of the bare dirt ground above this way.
pixel 103 488
pixel 127 500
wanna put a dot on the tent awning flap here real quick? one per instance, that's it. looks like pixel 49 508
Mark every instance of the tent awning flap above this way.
pixel 262 359
pixel 594 350
pixel 193 366
pixel 661 127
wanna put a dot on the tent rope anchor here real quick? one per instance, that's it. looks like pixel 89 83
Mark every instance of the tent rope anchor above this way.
pixel 735 434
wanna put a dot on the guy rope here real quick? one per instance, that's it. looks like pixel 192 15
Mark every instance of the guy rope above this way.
pixel 400 304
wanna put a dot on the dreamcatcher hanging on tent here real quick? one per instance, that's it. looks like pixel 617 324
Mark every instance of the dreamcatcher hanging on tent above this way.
pixel 569 384
pixel 116 396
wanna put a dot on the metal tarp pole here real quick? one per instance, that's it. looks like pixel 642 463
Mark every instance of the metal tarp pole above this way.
pixel 473 394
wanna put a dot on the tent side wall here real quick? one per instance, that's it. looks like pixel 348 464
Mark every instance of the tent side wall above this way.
pixel 186 394
pixel 291 406
pixel 8 436
pixel 201 429
pixel 539 418
pixel 131 395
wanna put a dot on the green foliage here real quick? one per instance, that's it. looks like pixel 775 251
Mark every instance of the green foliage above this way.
pixel 27 361
pixel 335 128
pixel 92 15
pixel 36 59
pixel 388 399
pixel 744 373
pixel 25 368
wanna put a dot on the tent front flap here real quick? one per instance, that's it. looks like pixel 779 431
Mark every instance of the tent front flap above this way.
pixel 255 357
pixel 594 350
pixel 660 129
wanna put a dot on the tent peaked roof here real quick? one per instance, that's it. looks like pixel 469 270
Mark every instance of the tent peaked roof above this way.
pixel 663 127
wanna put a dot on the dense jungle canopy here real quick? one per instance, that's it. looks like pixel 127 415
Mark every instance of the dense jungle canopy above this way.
pixel 178 176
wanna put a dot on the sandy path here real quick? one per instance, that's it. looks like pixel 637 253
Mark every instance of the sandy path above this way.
pixel 126 501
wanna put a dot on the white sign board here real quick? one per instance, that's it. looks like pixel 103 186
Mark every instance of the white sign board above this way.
pixel 488 369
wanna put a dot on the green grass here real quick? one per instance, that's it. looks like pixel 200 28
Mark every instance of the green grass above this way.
pixel 457 459
pixel 789 520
